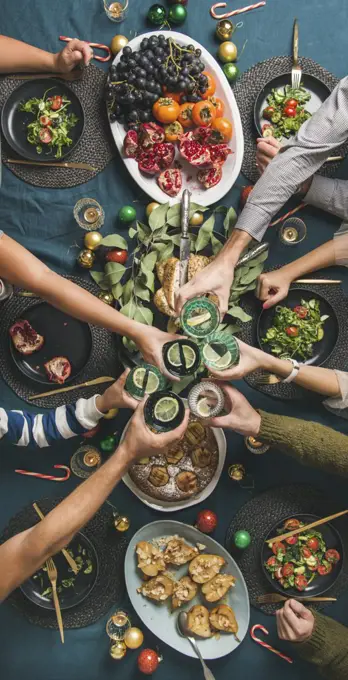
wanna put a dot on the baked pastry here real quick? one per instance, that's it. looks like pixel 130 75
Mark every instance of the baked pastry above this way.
pixel 58 369
pixel 204 567
pixel 158 588
pixel 187 482
pixel 178 552
pixel 223 618
pixel 201 457
pixel 217 587
pixel 195 433
pixel 150 559
pixel 198 621
pixel 159 475
pixel 184 591
pixel 174 455
pixel 25 339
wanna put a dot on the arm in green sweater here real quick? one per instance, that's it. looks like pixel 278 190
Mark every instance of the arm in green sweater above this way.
pixel 327 647
pixel 310 443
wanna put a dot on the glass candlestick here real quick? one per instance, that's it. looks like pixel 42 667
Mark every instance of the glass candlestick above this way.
pixel 116 11
pixel 292 231
pixel 89 214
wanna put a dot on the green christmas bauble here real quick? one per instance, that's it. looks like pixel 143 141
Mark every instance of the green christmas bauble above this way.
pixel 108 444
pixel 157 15
pixel 231 72
pixel 177 14
pixel 242 539
pixel 127 214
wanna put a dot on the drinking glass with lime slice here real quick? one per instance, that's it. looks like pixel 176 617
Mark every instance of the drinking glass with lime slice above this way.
pixel 206 400
pixel 199 317
pixel 144 379
pixel 164 411
pixel 181 357
pixel 221 351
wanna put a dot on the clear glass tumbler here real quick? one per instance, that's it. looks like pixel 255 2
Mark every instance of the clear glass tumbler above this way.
pixel 116 11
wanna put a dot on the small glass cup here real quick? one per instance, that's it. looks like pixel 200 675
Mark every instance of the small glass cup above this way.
pixel 206 400
pixel 116 11
pixel 89 214
pixel 144 379
pixel 181 357
pixel 292 231
pixel 167 415
pixel 221 351
pixel 200 317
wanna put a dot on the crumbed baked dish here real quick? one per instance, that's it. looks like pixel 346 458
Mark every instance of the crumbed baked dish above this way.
pixel 204 567
pixel 150 559
pixel 178 552
pixel 187 482
pixel 184 591
pixel 195 433
pixel 201 457
pixel 158 475
pixel 223 618
pixel 158 588
pixel 198 621
pixel 217 587
pixel 174 455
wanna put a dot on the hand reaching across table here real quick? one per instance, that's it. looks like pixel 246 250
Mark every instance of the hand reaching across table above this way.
pixel 19 56
pixel 295 622
pixel 241 416
pixel 75 52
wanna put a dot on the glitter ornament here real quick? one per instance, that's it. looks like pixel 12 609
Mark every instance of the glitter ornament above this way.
pixel 118 650
pixel 86 258
pixel 236 472
pixel 106 297
pixel 206 521
pixel 121 523
pixel 118 43
pixel 224 29
pixel 133 638
pixel 231 72
pixel 242 539
pixel 93 240
pixel 148 661
pixel 157 15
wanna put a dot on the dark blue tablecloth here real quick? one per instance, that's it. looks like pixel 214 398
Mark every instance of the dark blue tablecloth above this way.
pixel 42 220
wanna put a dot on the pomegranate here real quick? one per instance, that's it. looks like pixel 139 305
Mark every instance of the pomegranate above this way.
pixel 131 144
pixel 58 369
pixel 165 153
pixel 210 177
pixel 203 135
pixel 170 181
pixel 25 339
pixel 195 153
pixel 150 134
pixel 148 163
pixel 219 153
pixel 244 195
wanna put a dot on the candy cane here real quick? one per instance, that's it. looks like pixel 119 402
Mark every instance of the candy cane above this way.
pixel 288 214
pixel 264 644
pixel 234 12
pixel 52 478
pixel 100 46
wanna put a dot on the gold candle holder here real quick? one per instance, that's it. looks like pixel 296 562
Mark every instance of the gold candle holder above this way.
pixel 292 231
pixel 116 11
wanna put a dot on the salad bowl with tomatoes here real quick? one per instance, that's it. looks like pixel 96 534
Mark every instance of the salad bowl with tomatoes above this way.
pixel 304 565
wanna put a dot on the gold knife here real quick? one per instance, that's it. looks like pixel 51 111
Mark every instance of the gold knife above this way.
pixel 68 557
pixel 96 381
pixel 73 75
pixel 79 166
pixel 325 281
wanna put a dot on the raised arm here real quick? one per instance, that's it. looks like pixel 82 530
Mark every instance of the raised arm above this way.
pixel 17 56
pixel 23 554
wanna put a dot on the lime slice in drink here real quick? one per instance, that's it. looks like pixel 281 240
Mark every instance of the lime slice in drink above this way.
pixel 210 355
pixel 198 320
pixel 203 407
pixel 152 380
pixel 224 361
pixel 166 409
pixel 174 355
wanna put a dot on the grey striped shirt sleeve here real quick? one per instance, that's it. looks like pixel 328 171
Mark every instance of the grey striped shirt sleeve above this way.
pixel 298 160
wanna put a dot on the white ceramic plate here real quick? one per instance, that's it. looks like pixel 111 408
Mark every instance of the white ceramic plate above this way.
pixel 159 619
pixel 233 163
pixel 174 506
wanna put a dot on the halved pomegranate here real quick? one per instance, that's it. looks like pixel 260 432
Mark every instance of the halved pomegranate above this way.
pixel 131 144
pixel 58 369
pixel 195 153
pixel 148 162
pixel 164 153
pixel 170 181
pixel 219 153
pixel 25 339
pixel 150 134
pixel 210 177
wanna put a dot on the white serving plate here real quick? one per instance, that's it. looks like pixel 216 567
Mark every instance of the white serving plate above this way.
pixel 233 163
pixel 159 619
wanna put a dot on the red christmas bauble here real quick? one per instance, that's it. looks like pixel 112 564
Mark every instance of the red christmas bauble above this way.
pixel 148 661
pixel 178 2
pixel 207 521
pixel 90 433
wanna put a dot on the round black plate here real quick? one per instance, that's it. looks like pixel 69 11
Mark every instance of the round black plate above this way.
pixel 14 122
pixel 68 597
pixel 64 336
pixel 322 349
pixel 320 584
pixel 318 90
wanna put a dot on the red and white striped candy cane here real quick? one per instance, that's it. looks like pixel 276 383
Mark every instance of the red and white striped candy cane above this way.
pixel 265 645
pixel 100 46
pixel 52 478
pixel 288 214
pixel 234 12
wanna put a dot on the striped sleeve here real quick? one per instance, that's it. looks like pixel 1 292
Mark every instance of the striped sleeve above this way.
pixel 23 428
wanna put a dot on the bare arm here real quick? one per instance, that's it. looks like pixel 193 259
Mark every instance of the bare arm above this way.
pixel 18 56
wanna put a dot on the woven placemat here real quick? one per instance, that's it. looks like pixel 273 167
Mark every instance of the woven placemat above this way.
pixel 259 516
pixel 96 147
pixel 109 587
pixel 338 359
pixel 104 359
pixel 246 91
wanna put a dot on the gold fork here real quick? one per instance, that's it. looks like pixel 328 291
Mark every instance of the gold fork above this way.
pixel 268 379
pixel 272 598
pixel 52 575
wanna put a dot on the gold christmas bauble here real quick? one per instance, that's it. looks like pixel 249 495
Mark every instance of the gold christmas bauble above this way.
pixel 227 52
pixel 93 240
pixel 236 472
pixel 118 650
pixel 150 207
pixel 106 297
pixel 224 29
pixel 112 413
pixel 118 43
pixel 196 219
pixel 86 258
pixel 122 523
pixel 133 638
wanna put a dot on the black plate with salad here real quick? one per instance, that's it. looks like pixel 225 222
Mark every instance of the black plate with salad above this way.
pixel 304 326
pixel 307 564
pixel 43 120
pixel 280 110
pixel 72 589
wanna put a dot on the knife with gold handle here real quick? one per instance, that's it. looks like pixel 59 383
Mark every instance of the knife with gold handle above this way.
pixel 96 381
pixel 63 164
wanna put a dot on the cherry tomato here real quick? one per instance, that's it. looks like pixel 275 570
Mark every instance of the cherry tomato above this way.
pixel 314 566
pixel 301 312
pixel 332 556
pixel 279 573
pixel 211 86
pixel 45 121
pixel 173 131
pixel 292 102
pixel 306 553
pixel 56 102
pixel 45 135
pixel 119 256
pixel 301 582
pixel 292 524
pixel 268 112
pixel 185 115
pixel 278 547
pixel 292 540
pixel 172 95
pixel 292 331
pixel 288 569
pixel 290 111
pixel 324 569
pixel 166 110
pixel 272 561
pixel 219 106
pixel 203 113
pixel 313 544
pixel 223 127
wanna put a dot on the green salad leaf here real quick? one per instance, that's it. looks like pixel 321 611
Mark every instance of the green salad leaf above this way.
pixel 295 331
